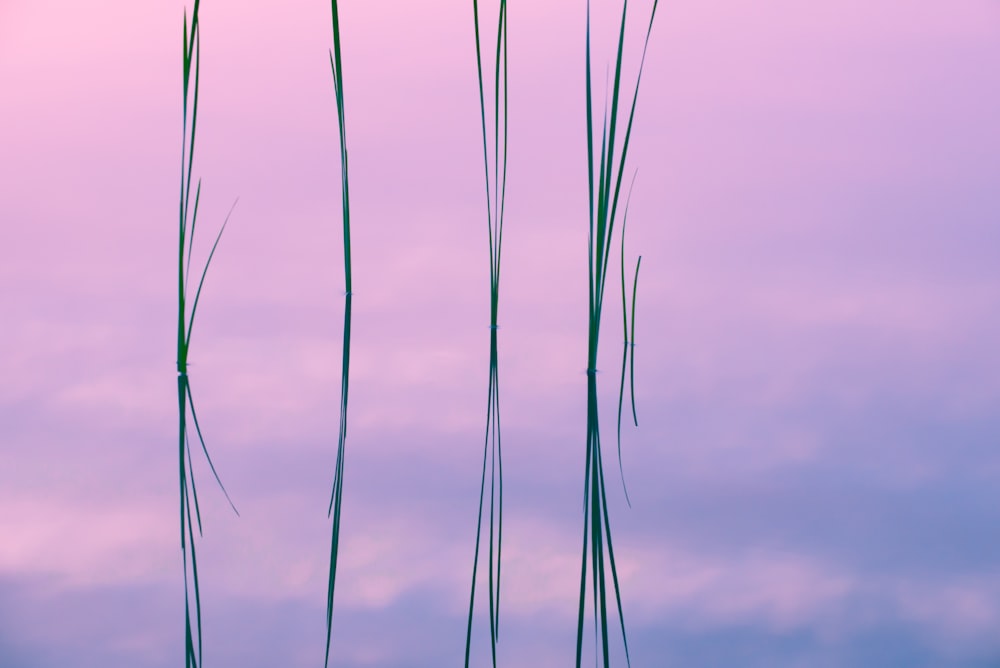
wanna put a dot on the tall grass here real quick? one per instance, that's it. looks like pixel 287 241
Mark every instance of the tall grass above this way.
pixel 606 167
pixel 496 185
pixel 336 498
pixel 185 323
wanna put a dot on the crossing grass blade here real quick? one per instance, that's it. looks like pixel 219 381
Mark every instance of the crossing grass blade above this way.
pixel 188 216
pixel 605 171
pixel 336 497
pixel 496 185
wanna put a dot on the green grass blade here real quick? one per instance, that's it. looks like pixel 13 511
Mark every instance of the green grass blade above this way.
pixel 631 117
pixel 626 354
pixel 345 371
pixel 336 500
pixel 194 57
pixel 336 64
pixel 194 487
pixel 196 589
pixel 583 588
pixel 590 183
pixel 204 272
pixel 621 404
pixel 503 169
pixel 635 290
pixel 499 507
pixel 614 569
pixel 475 556
pixel 611 129
pixel 204 448
pixel 625 326
pixel 486 152
pixel 336 496
pixel 182 431
pixel 190 233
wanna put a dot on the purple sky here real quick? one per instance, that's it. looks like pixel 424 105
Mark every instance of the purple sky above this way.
pixel 816 476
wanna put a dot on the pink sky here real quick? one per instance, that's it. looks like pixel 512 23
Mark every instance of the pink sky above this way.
pixel 815 475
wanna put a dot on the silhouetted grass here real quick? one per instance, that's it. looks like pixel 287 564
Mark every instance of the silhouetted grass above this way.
pixel 492 453
pixel 185 324
pixel 336 498
pixel 605 171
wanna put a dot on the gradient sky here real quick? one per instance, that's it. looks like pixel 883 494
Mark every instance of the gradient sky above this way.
pixel 816 476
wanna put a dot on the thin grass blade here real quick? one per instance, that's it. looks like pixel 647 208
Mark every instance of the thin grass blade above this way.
pixel 336 496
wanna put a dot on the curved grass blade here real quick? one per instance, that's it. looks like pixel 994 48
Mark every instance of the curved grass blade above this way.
pixel 204 271
pixel 204 448
pixel 627 348
pixel 491 461
pixel 336 496
pixel 631 357
pixel 621 401
pixel 605 171
pixel 496 185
